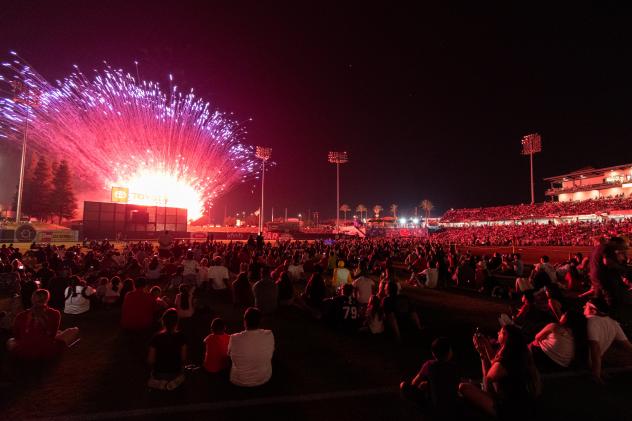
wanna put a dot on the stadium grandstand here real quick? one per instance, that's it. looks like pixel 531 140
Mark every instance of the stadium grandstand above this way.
pixel 586 205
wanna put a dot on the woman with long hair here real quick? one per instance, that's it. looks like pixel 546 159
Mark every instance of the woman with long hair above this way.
pixel 510 379
pixel 36 330
pixel 77 296
pixel 167 354
pixel 241 288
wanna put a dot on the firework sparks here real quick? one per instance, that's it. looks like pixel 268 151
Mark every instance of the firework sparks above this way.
pixel 116 130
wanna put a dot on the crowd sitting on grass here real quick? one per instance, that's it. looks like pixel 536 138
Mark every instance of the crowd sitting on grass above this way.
pixel 538 210
pixel 547 332
pixel 149 285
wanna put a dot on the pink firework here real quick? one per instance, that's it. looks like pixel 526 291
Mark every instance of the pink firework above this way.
pixel 169 147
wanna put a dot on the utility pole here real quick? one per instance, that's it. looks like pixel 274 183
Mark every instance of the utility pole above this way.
pixel 23 94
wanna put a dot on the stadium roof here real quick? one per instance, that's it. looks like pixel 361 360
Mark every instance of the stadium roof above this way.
pixel 587 172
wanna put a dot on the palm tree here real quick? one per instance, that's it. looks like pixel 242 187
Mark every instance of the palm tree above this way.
pixel 377 209
pixel 393 209
pixel 345 208
pixel 426 206
pixel 362 209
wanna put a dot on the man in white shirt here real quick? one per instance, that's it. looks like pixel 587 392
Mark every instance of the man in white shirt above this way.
pixel 251 352
pixel 218 275
pixel 363 286
pixel 602 332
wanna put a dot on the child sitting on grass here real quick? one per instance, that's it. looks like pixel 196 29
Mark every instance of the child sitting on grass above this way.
pixel 216 355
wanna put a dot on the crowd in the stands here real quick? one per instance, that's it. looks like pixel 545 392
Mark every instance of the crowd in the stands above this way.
pixel 538 210
pixel 563 234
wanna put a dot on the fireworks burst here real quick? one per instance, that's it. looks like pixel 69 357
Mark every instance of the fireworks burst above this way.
pixel 115 130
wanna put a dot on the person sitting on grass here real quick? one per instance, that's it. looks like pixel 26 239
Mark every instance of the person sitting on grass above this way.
pixel 311 300
pixel 139 307
pixel 560 344
pixel 112 292
pixel 530 317
pixel 363 286
pixel 510 379
pixel 344 310
pixel 265 292
pixel 161 301
pixel 167 354
pixel 436 384
pixel 216 355
pixel 77 296
pixel 602 332
pixel 285 289
pixel 242 290
pixel 341 275
pixel 374 316
pixel 399 312
pixel 36 334
pixel 251 352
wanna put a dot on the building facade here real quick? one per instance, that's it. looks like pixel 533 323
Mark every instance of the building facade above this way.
pixel 592 183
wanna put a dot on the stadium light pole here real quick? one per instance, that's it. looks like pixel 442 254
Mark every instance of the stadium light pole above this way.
pixel 263 154
pixel 531 144
pixel 23 94
pixel 338 158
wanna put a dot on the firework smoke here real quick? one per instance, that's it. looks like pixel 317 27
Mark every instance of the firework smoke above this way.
pixel 116 130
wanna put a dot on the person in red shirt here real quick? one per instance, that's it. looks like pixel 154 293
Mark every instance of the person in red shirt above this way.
pixel 36 331
pixel 139 307
pixel 216 356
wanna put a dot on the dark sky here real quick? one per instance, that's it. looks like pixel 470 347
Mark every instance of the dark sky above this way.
pixel 428 103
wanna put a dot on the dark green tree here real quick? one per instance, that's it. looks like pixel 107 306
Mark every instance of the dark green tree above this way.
pixel 63 203
pixel 40 191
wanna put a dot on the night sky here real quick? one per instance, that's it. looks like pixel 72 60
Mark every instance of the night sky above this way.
pixel 430 104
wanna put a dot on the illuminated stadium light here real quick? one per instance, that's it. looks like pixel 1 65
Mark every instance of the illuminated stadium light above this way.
pixel 531 144
pixel 263 154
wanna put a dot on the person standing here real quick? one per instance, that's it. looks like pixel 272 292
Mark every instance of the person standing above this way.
pixel 251 352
